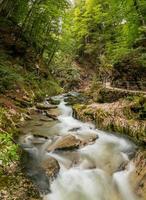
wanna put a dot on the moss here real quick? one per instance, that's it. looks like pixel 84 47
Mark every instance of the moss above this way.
pixel 138 108
pixel 89 112
pixel 114 122
pixel 79 107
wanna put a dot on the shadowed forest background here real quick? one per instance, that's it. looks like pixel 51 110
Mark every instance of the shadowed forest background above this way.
pixel 107 37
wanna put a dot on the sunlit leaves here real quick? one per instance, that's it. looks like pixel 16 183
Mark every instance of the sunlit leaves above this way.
pixel 108 27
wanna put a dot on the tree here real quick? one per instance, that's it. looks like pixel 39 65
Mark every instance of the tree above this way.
pixel 39 22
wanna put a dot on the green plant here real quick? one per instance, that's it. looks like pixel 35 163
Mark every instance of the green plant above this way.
pixel 8 148
pixel 9 76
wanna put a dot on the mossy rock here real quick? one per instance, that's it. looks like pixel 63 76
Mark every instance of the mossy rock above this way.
pixel 54 101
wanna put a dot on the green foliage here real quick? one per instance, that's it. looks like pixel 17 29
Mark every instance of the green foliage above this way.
pixel 142 59
pixel 107 28
pixel 9 150
pixel 100 32
pixel 50 88
pixel 2 115
pixel 138 107
pixel 39 22
pixel 13 76
pixel 65 71
pixel 9 78
pixel 9 75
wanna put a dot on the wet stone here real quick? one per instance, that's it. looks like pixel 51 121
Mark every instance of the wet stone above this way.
pixel 72 142
pixel 53 101
pixel 46 119
pixel 52 113
pixel 43 106
pixel 87 139
pixel 68 142
pixel 51 167
pixel 52 116
pixel 74 129
pixel 40 136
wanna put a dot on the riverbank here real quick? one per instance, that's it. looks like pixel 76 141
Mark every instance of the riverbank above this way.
pixel 11 170
pixel 119 112
pixel 123 114
pixel 62 141
pixel 20 91
pixel 13 113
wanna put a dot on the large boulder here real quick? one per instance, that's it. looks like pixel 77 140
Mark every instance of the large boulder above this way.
pixel 53 113
pixel 68 142
pixel 87 138
pixel 51 167
pixel 72 141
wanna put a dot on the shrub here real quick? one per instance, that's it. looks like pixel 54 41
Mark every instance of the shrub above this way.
pixel 9 77
pixel 8 151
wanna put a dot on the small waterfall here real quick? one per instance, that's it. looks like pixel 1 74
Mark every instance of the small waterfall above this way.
pixel 122 182
pixel 68 122
pixel 82 184
pixel 63 162
pixel 66 110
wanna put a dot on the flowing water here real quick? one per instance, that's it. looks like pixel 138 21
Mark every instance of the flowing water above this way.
pixel 97 171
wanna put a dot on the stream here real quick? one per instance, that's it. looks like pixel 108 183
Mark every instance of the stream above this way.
pixel 96 167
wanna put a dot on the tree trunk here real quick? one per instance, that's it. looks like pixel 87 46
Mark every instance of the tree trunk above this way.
pixel 52 55
pixel 136 5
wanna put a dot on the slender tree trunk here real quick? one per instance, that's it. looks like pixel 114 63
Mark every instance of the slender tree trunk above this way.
pixel 28 16
pixel 7 6
pixel 52 55
pixel 47 32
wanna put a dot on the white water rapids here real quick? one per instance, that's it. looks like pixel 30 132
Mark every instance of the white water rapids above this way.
pixel 98 175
